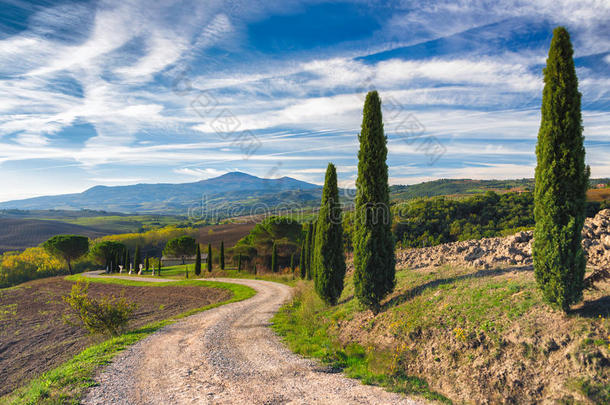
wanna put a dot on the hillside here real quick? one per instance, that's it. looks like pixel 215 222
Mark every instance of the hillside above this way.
pixel 21 233
pixel 466 323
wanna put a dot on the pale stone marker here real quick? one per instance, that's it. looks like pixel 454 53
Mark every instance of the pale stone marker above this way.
pixel 120 268
pixel 141 267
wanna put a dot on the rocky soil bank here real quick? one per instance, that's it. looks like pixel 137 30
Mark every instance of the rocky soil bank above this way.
pixel 511 250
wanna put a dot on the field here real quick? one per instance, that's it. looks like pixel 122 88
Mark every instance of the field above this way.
pixel 465 334
pixel 18 234
pixel 34 338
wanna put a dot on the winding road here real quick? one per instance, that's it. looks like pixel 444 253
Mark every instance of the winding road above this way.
pixel 227 355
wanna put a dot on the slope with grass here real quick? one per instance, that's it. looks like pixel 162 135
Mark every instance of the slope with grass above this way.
pixel 482 336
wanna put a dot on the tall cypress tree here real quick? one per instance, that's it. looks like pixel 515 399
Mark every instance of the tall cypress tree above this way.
pixel 302 268
pixel 274 263
pixel 126 260
pixel 292 265
pixel 239 262
pixel 198 260
pixel 561 181
pixel 137 258
pixel 312 251
pixel 308 250
pixel 374 261
pixel 146 263
pixel 328 258
pixel 210 257
pixel 222 255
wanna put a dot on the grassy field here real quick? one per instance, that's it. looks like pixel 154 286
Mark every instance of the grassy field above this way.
pixel 473 335
pixel 68 382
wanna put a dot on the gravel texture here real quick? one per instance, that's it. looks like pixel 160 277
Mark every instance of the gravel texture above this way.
pixel 227 355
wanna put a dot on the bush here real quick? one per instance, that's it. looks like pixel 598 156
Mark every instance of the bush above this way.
pixel 110 315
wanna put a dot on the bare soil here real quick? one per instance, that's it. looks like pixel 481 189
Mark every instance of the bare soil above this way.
pixel 34 338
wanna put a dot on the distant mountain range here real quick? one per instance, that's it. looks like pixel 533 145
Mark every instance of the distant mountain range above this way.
pixel 232 191
pixel 237 194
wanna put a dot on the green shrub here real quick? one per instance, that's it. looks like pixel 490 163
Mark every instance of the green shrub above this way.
pixel 109 315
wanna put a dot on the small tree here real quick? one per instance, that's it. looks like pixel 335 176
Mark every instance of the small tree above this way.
pixel 160 265
pixel 106 252
pixel 274 263
pixel 109 315
pixel 210 258
pixel 292 265
pixel 146 263
pixel 67 247
pixel 374 261
pixel 328 258
pixel 198 261
pixel 181 246
pixel 239 262
pixel 222 255
pixel 127 260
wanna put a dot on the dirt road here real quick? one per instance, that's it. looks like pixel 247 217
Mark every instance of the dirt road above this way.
pixel 227 355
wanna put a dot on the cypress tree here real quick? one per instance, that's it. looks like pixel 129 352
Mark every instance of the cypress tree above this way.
pixel 146 264
pixel 222 255
pixel 328 258
pixel 561 181
pixel 302 268
pixel 210 257
pixel 198 260
pixel 312 251
pixel 160 262
pixel 292 265
pixel 127 261
pixel 274 263
pixel 374 261
pixel 308 250
pixel 117 261
pixel 239 262
pixel 137 258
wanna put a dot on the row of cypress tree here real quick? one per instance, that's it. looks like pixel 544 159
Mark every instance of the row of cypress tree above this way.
pixel 209 260
pixel 562 179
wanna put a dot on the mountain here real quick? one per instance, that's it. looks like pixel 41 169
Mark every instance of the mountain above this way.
pixel 229 191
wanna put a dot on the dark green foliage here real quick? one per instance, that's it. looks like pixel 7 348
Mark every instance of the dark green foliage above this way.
pixel 160 266
pixel 308 250
pixel 238 262
pixel 222 255
pixel 274 263
pixel 431 221
pixel 105 252
pixel 127 260
pixel 292 264
pixel 561 181
pixel 198 260
pixel 109 315
pixel 67 247
pixel 328 258
pixel 146 263
pixel 374 261
pixel 210 266
pixel 180 247
pixel 302 268
pixel 312 251
pixel 137 258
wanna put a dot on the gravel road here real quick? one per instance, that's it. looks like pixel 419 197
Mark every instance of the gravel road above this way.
pixel 227 355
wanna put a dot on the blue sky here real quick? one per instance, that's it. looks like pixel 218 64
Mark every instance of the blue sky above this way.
pixel 121 92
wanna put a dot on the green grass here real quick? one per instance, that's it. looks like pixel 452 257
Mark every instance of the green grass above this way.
pixel 68 382
pixel 178 272
pixel 304 325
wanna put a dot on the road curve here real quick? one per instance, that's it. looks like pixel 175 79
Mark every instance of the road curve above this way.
pixel 227 355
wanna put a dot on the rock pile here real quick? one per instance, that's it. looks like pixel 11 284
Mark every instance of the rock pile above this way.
pixel 511 250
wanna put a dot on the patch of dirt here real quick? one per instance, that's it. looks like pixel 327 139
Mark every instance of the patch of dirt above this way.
pixel 34 338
